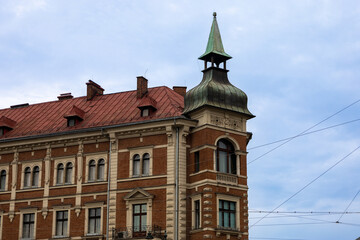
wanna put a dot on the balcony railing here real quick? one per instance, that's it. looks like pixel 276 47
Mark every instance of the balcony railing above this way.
pixel 137 232
pixel 227 178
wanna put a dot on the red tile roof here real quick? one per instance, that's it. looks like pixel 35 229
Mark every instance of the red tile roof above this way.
pixel 105 110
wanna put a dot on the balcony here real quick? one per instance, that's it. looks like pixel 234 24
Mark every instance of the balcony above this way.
pixel 227 178
pixel 137 233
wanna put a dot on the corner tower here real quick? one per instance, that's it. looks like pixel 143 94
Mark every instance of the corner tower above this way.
pixel 216 163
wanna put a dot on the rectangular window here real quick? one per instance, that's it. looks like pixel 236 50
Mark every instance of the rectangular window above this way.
pixel 139 219
pixel 28 226
pixel 61 223
pixel 227 213
pixel 197 214
pixel 94 220
pixel 197 161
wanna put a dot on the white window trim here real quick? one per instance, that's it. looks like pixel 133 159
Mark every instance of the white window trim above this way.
pixel 27 211
pixel 56 209
pixel 64 162
pixel 232 199
pixel 96 157
pixel 89 206
pixel 236 148
pixel 6 168
pixel 1 222
pixel 31 165
pixel 141 151
pixel 193 199
pixel 129 212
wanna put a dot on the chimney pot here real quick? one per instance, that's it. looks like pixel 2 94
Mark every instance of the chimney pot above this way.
pixel 142 86
pixel 93 89
pixel 180 90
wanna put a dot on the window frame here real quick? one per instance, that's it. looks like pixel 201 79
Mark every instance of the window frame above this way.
pixel 3 178
pixel 138 196
pixel 195 199
pixel 87 222
pixel 21 225
pixel 1 222
pixel 64 161
pixel 32 167
pixel 97 158
pixel 228 198
pixel 94 220
pixel 231 157
pixel 141 151
pixel 60 208
pixel 142 231
pixel 64 223
pixel 196 161
pixel 6 168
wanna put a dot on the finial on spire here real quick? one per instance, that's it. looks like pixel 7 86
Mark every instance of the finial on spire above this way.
pixel 214 50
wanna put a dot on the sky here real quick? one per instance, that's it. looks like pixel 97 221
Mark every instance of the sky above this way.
pixel 297 60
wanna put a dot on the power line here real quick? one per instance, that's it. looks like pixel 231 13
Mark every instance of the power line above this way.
pixel 348 206
pixel 304 134
pixel 306 185
pixel 273 149
pixel 274 238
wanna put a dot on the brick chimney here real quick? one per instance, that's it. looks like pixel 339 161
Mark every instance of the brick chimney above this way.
pixel 64 96
pixel 180 90
pixel 142 86
pixel 93 89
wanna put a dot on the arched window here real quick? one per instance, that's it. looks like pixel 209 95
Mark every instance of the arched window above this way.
pixel 225 157
pixel 2 180
pixel 27 177
pixel 68 172
pixel 145 164
pixel 35 177
pixel 92 169
pixel 60 174
pixel 136 165
pixel 100 169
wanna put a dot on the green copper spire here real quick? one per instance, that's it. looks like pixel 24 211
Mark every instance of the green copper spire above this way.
pixel 215 90
pixel 215 47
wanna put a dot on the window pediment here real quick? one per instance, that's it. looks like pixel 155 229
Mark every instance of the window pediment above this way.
pixel 138 194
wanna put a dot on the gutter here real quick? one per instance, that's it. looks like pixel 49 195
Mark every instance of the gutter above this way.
pixel 86 130
pixel 108 193
pixel 177 183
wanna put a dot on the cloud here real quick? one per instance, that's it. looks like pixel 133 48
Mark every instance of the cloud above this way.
pixel 23 7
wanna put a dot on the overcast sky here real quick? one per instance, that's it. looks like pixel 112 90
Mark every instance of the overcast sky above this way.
pixel 297 60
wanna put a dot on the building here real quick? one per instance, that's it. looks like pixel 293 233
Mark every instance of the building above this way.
pixel 153 162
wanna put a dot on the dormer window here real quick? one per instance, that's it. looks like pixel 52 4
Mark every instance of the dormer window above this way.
pixel 6 125
pixel 147 106
pixel 145 112
pixel 74 117
pixel 71 122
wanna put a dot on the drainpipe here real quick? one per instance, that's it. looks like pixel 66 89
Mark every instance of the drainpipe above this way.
pixel 108 194
pixel 177 184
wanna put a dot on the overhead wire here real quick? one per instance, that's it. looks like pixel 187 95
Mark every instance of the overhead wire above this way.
pixel 304 134
pixel 308 129
pixel 308 184
pixel 348 206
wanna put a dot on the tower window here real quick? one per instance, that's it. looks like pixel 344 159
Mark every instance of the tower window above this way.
pixel 225 157
pixel 197 161
pixel 227 213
